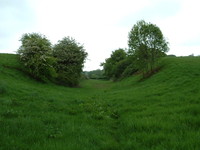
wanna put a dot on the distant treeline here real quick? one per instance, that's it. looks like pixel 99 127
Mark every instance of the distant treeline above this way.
pixel 94 74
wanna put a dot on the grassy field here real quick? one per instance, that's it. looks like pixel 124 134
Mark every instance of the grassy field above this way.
pixel 159 113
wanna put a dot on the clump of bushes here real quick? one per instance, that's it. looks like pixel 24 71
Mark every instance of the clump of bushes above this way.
pixel 146 46
pixel 36 55
pixel 119 65
pixel 61 63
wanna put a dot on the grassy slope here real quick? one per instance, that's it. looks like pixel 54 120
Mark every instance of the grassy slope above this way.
pixel 162 112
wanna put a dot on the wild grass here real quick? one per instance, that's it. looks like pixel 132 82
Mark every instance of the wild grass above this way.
pixel 161 112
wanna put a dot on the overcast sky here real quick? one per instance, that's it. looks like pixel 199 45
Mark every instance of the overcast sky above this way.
pixel 101 25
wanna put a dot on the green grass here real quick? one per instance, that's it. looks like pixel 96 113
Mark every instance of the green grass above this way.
pixel 161 112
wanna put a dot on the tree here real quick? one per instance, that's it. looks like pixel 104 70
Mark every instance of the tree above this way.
pixel 110 66
pixel 36 55
pixel 147 43
pixel 70 57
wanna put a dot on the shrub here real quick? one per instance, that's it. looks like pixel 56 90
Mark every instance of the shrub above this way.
pixel 111 71
pixel 130 70
pixel 36 55
pixel 70 57
pixel 120 67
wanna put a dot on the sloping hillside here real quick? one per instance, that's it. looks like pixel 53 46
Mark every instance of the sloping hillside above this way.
pixel 161 112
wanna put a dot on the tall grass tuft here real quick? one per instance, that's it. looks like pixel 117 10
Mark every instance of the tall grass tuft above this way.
pixel 3 88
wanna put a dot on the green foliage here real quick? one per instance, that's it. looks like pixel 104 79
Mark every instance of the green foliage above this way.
pixel 36 55
pixel 70 57
pixel 147 43
pixel 126 67
pixel 112 66
pixel 130 70
pixel 95 74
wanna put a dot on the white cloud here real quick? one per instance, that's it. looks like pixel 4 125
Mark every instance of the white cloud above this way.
pixel 182 29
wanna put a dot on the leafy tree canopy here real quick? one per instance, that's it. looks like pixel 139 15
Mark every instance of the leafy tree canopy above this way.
pixel 147 42
pixel 70 57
